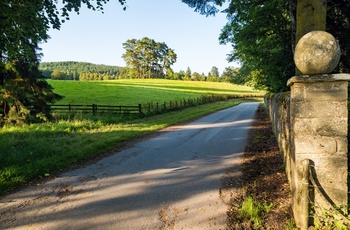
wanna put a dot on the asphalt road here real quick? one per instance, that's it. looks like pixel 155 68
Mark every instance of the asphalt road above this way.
pixel 172 181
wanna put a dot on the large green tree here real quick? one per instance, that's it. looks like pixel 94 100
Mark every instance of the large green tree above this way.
pixel 148 58
pixel 23 26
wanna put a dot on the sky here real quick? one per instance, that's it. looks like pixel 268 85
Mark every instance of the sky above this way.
pixel 97 38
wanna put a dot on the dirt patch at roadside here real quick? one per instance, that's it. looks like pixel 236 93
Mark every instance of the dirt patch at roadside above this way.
pixel 263 178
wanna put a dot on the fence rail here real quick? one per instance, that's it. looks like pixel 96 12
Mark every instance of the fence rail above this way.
pixel 148 108
pixel 93 108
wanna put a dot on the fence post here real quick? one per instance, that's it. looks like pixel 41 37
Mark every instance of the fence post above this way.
pixel 94 108
pixel 304 222
pixel 140 109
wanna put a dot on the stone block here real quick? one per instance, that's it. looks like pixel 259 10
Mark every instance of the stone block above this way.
pixel 321 127
pixel 326 163
pixel 320 109
pixel 306 144
pixel 330 177
pixel 327 91
pixel 321 91
pixel 345 77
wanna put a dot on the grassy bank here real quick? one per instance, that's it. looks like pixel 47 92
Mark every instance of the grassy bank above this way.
pixel 31 152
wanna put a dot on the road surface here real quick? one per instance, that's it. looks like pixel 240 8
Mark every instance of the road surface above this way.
pixel 172 181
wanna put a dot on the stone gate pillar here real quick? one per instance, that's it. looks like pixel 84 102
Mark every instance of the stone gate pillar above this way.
pixel 319 130
pixel 319 125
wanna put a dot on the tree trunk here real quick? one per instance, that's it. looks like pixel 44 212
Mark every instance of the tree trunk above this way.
pixel 292 14
pixel 311 15
pixel 2 70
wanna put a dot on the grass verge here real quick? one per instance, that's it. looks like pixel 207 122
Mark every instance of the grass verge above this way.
pixel 33 152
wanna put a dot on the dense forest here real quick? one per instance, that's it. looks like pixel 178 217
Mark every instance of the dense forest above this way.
pixel 71 70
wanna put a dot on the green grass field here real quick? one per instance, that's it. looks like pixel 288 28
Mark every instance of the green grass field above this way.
pixel 140 91
pixel 31 152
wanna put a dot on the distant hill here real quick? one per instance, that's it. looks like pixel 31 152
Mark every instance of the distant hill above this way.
pixel 74 69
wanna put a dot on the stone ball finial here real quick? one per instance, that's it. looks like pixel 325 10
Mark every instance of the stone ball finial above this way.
pixel 317 52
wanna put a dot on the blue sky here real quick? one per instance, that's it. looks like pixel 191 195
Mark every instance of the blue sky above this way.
pixel 97 38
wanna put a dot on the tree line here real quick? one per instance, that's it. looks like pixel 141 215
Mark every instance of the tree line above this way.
pixel 84 71
pixel 71 70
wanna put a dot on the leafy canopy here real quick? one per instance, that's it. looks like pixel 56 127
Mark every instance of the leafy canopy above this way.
pixel 260 34
pixel 206 7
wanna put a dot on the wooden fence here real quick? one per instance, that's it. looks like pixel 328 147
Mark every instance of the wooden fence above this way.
pixel 148 108
pixel 120 109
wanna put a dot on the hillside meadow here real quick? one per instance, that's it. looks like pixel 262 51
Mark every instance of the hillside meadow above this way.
pixel 140 91
pixel 29 153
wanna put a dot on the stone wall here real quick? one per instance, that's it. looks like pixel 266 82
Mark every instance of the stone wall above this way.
pixel 311 123
pixel 279 111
